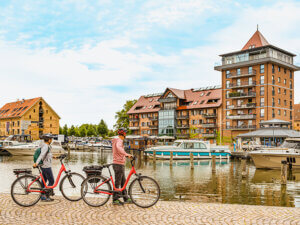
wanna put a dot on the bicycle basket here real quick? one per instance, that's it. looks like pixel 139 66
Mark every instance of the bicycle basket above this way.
pixel 94 170
pixel 23 171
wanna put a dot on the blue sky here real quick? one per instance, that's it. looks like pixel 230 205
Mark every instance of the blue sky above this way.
pixel 87 57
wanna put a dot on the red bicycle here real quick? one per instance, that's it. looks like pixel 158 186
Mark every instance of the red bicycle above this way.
pixel 27 189
pixel 96 190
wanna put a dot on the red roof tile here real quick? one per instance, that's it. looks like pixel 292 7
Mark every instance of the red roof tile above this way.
pixel 17 109
pixel 196 99
pixel 257 40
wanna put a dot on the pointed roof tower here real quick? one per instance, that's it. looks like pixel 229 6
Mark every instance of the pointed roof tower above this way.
pixel 257 40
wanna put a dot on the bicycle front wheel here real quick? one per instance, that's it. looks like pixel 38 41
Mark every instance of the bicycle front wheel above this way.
pixel 144 191
pixel 70 186
pixel 88 193
pixel 19 192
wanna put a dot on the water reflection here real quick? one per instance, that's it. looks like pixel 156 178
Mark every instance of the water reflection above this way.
pixel 180 182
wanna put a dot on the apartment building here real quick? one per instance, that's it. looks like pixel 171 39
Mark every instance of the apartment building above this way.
pixel 257 85
pixel 32 117
pixel 193 113
pixel 297 117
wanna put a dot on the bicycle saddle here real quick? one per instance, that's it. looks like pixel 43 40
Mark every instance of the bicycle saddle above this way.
pixel 107 165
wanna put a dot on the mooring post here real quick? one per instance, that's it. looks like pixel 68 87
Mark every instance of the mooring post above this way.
pixel 154 156
pixel 244 173
pixel 213 163
pixel 192 160
pixel 283 172
pixel 171 158
pixel 69 151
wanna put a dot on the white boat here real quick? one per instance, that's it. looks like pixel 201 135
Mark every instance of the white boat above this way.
pixel 271 158
pixel 100 145
pixel 182 148
pixel 29 149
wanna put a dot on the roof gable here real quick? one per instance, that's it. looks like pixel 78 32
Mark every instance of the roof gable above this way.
pixel 257 40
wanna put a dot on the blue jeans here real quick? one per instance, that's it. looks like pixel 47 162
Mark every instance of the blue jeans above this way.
pixel 48 176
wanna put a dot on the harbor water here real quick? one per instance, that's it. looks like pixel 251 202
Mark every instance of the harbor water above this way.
pixel 181 183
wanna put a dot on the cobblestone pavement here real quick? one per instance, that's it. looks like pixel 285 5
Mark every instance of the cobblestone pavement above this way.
pixel 62 211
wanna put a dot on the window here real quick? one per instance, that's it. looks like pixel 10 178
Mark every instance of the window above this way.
pixel 285 102
pixel 273 102
pixel 262 79
pixel 227 83
pixel 227 94
pixel 50 117
pixel 279 101
pixel 284 70
pixel 273 69
pixel 273 80
pixel 238 71
pixel 291 86
pixel 227 124
pixel 238 82
pixel 278 68
pixel 279 91
pixel 227 73
pixel 262 112
pixel 284 91
pixel 279 80
pixel 279 112
pixel 262 101
pixel 273 113
pixel 273 91
pixel 262 68
pixel 34 110
pixel 284 112
pixel 291 95
pixel 284 81
pixel 291 75
pixel 29 116
pixel 250 70
pixel 50 125
pixel 262 90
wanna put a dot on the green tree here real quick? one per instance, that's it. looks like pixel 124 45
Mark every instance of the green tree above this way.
pixel 72 131
pixel 102 128
pixel 91 131
pixel 82 131
pixel 122 116
pixel 193 133
pixel 60 130
pixel 65 130
pixel 111 133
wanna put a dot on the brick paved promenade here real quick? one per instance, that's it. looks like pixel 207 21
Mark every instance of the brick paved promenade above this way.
pixel 62 211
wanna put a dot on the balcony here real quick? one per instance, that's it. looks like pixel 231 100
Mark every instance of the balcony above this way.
pixel 154 118
pixel 209 115
pixel 208 125
pixel 245 106
pixel 241 127
pixel 241 117
pixel 134 128
pixel 242 84
pixel 244 73
pixel 207 135
pixel 182 135
pixel 183 126
pixel 182 117
pixel 134 119
pixel 236 95
pixel 153 127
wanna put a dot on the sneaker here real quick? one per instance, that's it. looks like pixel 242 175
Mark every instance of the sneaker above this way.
pixel 128 201
pixel 117 202
pixel 45 199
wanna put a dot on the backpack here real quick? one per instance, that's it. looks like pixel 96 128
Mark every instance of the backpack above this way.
pixel 37 154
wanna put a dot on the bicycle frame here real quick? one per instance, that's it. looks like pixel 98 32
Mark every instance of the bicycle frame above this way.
pixel 62 169
pixel 132 171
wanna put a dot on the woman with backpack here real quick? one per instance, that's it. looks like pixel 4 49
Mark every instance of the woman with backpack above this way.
pixel 45 160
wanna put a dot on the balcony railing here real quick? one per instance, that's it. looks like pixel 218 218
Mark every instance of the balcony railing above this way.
pixel 153 118
pixel 241 95
pixel 208 125
pixel 153 127
pixel 241 117
pixel 134 128
pixel 182 135
pixel 244 73
pixel 245 106
pixel 241 127
pixel 182 126
pixel 242 84
pixel 209 115
pixel 207 135
pixel 182 117
pixel 134 119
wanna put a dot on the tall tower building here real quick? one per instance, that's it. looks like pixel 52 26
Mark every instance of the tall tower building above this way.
pixel 257 85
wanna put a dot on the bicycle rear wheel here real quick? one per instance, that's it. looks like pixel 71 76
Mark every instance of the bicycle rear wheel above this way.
pixel 144 191
pixel 19 192
pixel 91 197
pixel 70 186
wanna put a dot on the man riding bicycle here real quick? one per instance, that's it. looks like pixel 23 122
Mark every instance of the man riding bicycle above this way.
pixel 119 155
pixel 46 158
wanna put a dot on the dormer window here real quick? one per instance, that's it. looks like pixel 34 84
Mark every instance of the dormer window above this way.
pixel 151 100
pixel 170 95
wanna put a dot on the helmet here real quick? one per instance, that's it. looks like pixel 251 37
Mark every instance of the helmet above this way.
pixel 47 137
pixel 122 131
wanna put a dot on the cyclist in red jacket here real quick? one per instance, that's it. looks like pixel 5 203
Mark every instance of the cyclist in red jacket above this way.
pixel 119 157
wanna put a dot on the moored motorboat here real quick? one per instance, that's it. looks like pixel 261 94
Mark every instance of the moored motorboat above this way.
pixel 183 148
pixel 272 158
pixel 29 149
